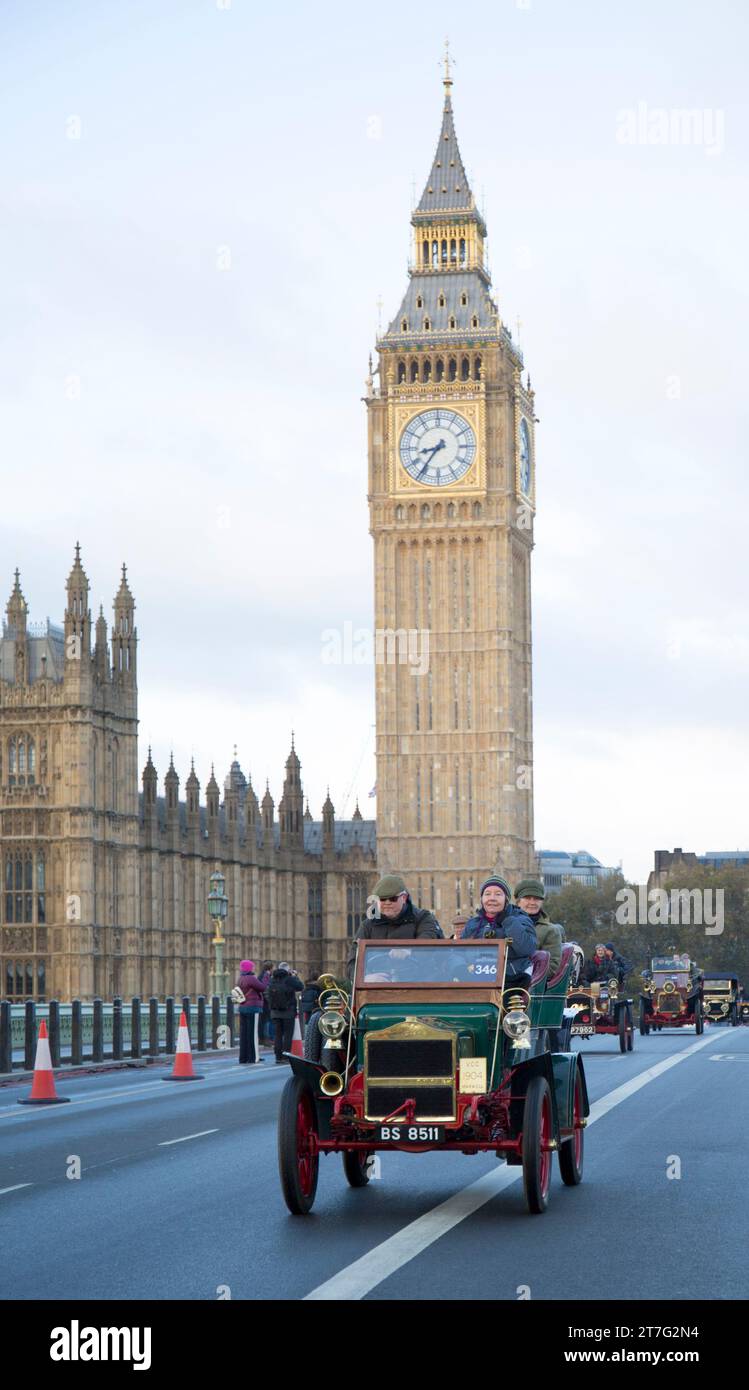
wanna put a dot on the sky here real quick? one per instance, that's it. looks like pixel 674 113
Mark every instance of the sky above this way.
pixel 204 209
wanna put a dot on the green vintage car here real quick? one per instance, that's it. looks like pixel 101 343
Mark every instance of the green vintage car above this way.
pixel 433 1050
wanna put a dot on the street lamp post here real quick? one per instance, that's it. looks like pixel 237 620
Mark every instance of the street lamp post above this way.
pixel 218 905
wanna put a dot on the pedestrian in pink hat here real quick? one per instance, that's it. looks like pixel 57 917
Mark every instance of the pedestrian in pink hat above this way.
pixel 253 990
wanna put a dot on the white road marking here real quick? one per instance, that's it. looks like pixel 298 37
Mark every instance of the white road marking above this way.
pixel 358 1279
pixel 164 1143
pixel 17 1187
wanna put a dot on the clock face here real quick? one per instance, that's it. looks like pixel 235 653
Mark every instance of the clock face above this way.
pixel 437 447
pixel 525 458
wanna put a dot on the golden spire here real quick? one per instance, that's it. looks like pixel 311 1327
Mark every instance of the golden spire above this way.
pixel 446 60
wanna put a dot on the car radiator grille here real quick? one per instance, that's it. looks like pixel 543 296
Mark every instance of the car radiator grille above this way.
pixel 425 1057
pixel 421 1069
pixel 669 1004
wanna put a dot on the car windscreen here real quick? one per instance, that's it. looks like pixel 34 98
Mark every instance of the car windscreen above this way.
pixel 469 963
pixel 680 978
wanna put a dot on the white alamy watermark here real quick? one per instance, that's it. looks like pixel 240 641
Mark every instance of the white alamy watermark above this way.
pixel 703 127
pixel 383 646
pixel 76 1343
pixel 683 907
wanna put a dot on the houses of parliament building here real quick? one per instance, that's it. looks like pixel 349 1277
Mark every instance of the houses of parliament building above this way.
pixel 105 870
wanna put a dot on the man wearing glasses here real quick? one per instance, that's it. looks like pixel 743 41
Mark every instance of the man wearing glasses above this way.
pixel 395 918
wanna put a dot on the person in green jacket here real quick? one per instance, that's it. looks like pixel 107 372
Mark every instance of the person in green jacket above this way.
pixel 529 896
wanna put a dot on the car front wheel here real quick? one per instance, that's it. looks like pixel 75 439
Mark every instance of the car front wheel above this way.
pixel 298 1159
pixel 356 1165
pixel 538 1133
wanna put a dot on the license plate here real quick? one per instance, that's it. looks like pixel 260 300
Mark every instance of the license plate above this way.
pixel 583 1030
pixel 410 1134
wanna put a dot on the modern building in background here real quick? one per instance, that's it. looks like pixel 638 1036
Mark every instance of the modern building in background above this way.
pixel 452 490
pixel 105 886
pixel 559 869
pixel 668 862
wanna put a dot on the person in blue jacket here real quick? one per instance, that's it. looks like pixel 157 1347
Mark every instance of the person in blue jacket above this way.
pixel 497 917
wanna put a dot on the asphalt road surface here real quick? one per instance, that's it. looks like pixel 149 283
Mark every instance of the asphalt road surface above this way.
pixel 179 1196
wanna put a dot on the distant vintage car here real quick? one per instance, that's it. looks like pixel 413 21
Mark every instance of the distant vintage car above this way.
pixel 599 1008
pixel 720 998
pixel 671 995
pixel 433 1051
pixel 744 1011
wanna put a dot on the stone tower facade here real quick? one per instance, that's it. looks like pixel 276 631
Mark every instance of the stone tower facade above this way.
pixel 68 797
pixel 452 498
pixel 105 886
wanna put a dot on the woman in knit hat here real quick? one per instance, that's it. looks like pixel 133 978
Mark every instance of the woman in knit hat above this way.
pixel 253 990
pixel 497 917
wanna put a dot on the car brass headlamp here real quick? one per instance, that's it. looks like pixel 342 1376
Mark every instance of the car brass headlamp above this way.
pixel 517 1025
pixel 724 1008
pixel 332 1025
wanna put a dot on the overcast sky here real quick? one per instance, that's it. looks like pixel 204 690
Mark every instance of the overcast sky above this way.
pixel 201 205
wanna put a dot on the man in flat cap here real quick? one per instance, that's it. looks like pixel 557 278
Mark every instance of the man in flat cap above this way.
pixel 395 919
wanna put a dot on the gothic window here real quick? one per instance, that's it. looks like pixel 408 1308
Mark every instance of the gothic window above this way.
pixel 399 513
pixel 475 321
pixel 435 255
pixel 430 693
pixel 427 370
pixel 452 325
pixel 428 586
pixel 425 512
pixel 453 253
pixel 21 761
pixel 454 576
pixel 465 369
pixel 464 299
pixel 455 698
pixel 404 325
pixel 431 809
pixel 470 806
pixel 441 301
pixel 415 590
pixel 444 252
pixel 401 372
pixel 41 897
pixel 469 698
pixel 432 894
pixel 457 895
pixel 457 800
pixel 462 250
pixel 18 878
pixel 439 369
pixel 477 509
pixel 356 904
pixel 427 324
pixel 467 590
pixel 417 711
pixel 452 369
pixel 477 368
pixel 414 371
pixel 314 908
pixel 419 302
pixel 425 252
pixel 418 798
pixel 451 509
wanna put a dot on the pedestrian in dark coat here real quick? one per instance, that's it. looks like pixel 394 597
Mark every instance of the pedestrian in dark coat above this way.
pixel 253 990
pixel 266 1022
pixel 397 919
pixel 282 991
pixel 308 1001
pixel 498 918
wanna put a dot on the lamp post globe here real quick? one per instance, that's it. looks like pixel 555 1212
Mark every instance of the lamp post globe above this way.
pixel 218 906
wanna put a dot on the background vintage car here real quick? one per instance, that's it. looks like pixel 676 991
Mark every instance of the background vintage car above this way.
pixel 720 998
pixel 433 1050
pixel 601 1009
pixel 671 996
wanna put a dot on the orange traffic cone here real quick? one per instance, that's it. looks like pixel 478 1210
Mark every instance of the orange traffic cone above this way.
pixel 43 1086
pixel 183 1068
pixel 297 1046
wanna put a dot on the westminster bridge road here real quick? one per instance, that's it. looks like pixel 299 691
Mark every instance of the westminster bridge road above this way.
pixel 179 1196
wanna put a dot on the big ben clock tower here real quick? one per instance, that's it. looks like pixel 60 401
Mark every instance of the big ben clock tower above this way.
pixel 452 497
